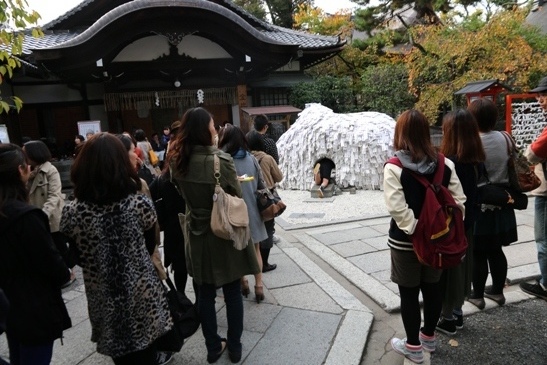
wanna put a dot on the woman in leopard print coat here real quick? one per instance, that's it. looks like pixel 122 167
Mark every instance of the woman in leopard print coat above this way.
pixel 112 227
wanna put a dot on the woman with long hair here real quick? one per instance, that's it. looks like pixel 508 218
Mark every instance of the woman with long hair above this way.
pixel 495 226
pixel 462 144
pixel 31 269
pixel 404 196
pixel 232 140
pixel 211 261
pixel 112 227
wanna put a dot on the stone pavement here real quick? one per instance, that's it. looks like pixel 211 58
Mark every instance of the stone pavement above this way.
pixel 330 301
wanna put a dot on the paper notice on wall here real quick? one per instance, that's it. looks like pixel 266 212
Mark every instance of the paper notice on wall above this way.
pixel 4 137
pixel 88 128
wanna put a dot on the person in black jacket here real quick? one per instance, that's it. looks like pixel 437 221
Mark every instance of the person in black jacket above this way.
pixel 169 203
pixel 31 269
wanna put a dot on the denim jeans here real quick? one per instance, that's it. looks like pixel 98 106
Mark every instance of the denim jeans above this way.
pixel 234 314
pixel 540 233
pixel 29 355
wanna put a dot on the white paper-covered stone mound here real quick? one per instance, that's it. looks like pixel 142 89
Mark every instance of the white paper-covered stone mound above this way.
pixel 358 143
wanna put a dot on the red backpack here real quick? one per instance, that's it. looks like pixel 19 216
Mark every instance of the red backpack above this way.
pixel 439 239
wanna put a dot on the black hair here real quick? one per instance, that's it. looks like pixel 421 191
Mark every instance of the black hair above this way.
pixel 255 141
pixel 37 152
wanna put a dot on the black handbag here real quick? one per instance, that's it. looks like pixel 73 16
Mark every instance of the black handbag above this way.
pixel 498 195
pixel 502 196
pixel 185 318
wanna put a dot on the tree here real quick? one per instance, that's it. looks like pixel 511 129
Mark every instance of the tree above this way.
pixel 255 7
pixel 314 20
pixel 15 18
pixel 281 12
pixel 384 88
pixel 331 91
pixel 454 54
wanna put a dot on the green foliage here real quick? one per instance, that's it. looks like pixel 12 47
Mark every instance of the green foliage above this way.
pixel 254 7
pixel 384 88
pixel 333 92
pixel 454 54
pixel 16 18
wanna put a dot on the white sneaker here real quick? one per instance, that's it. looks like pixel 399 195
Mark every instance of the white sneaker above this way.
pixel 163 357
pixel 414 353
pixel 276 239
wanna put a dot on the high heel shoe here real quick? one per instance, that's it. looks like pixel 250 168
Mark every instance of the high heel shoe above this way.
pixel 259 293
pixel 245 291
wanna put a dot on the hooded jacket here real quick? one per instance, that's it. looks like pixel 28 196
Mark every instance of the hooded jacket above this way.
pixel 404 195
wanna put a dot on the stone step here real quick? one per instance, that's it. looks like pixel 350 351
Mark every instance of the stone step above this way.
pixel 328 192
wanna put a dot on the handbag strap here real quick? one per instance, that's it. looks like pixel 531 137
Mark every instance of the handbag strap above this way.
pixel 510 143
pixel 216 166
pixel 261 184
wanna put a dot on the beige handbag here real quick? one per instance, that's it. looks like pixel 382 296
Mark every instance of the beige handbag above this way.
pixel 229 216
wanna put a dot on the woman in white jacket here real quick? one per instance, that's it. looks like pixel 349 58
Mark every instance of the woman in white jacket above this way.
pixel 404 197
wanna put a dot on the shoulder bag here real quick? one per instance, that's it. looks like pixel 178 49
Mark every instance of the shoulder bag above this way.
pixel 185 319
pixel 154 159
pixel 521 177
pixel 229 216
pixel 268 201
pixel 501 196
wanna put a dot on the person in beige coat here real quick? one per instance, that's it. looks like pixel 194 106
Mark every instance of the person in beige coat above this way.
pixel 45 193
pixel 272 175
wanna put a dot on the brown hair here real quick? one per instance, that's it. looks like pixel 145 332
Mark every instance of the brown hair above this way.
pixel 194 131
pixel 461 137
pixel 412 134
pixel 102 172
pixel 485 113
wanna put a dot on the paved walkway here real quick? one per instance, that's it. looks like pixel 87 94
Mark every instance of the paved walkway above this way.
pixel 330 301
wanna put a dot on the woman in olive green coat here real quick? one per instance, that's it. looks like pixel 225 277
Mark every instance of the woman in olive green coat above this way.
pixel 212 261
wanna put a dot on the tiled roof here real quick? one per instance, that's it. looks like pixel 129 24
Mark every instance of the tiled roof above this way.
pixel 478 86
pixel 50 39
pixel 272 32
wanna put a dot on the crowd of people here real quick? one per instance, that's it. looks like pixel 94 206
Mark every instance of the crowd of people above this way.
pixel 473 152
pixel 111 229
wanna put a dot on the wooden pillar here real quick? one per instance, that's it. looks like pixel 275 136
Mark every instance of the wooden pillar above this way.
pixel 242 103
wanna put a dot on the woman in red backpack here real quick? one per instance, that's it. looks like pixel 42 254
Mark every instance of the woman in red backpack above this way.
pixel 404 196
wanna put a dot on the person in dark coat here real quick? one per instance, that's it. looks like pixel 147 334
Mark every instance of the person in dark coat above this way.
pixel 212 261
pixel 169 204
pixel 31 269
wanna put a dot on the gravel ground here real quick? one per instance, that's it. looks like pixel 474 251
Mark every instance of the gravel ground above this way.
pixel 507 335
pixel 302 209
